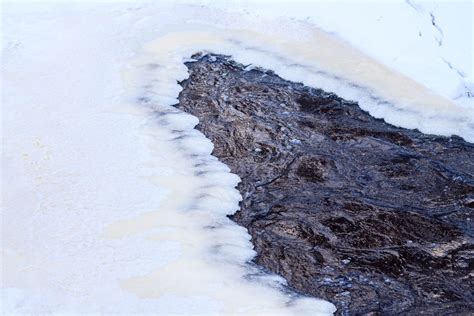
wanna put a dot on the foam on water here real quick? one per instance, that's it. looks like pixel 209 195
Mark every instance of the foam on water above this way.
pixel 113 200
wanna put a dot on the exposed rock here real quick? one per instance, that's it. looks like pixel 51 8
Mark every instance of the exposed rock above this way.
pixel 346 207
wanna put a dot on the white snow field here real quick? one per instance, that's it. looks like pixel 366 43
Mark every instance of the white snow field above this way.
pixel 112 202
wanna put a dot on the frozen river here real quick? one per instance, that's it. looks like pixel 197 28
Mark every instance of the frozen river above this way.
pixel 111 201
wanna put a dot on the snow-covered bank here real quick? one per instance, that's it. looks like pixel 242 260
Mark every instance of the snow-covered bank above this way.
pixel 112 202
pixel 103 210
pixel 429 41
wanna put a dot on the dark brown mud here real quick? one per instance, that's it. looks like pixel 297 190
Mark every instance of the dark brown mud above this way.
pixel 346 207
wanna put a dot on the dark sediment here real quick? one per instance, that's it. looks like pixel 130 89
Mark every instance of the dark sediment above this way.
pixel 346 207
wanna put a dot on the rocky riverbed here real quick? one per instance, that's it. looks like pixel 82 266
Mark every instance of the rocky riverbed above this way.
pixel 346 207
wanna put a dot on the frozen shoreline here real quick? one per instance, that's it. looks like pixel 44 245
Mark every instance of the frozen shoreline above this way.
pixel 93 222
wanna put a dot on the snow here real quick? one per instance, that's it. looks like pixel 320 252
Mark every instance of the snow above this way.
pixel 399 34
pixel 111 200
